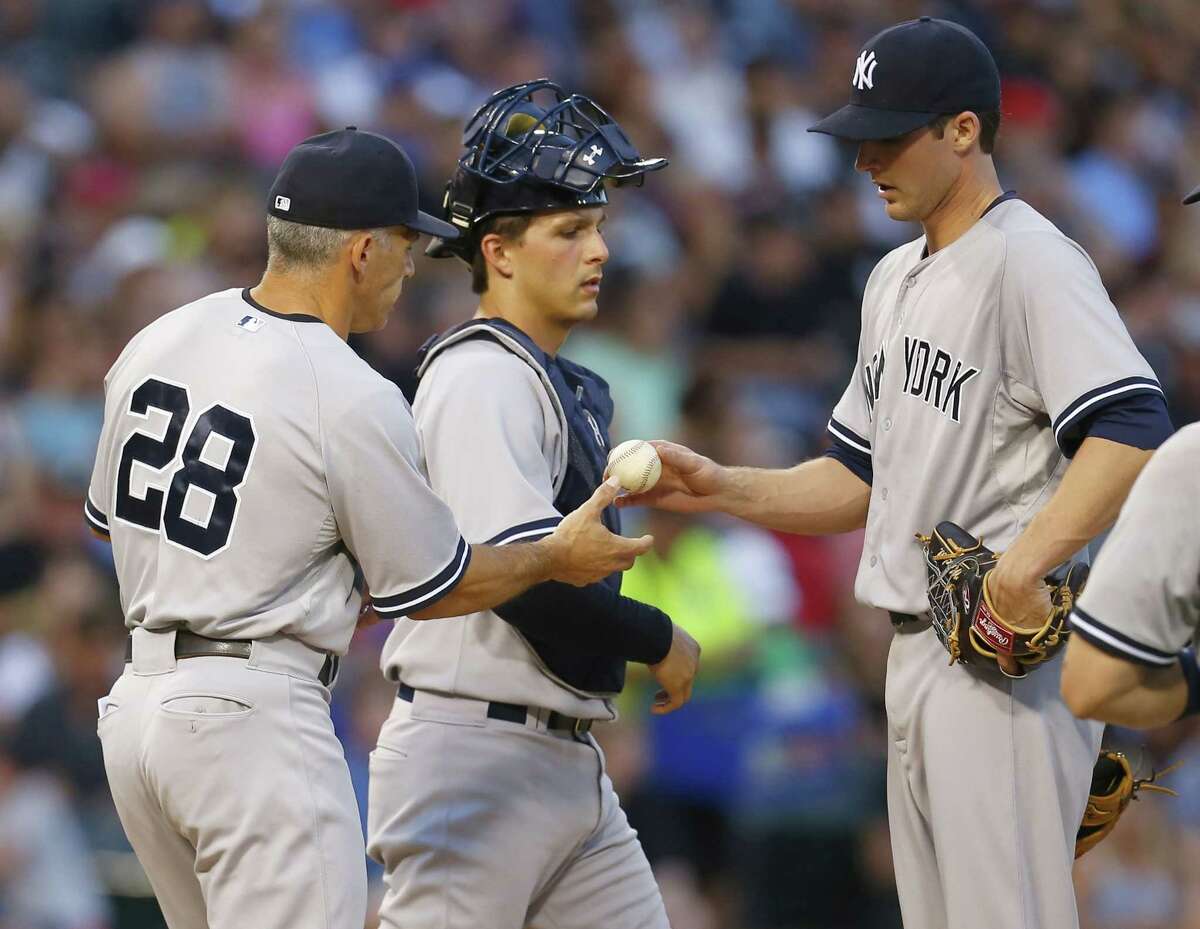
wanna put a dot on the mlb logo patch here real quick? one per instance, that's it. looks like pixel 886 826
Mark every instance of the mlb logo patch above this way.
pixel 250 323
pixel 283 203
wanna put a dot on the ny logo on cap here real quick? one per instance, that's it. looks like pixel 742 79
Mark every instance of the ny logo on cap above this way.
pixel 864 71
pixel 283 203
pixel 590 158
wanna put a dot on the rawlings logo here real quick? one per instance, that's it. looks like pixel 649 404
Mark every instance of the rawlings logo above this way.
pixel 1000 639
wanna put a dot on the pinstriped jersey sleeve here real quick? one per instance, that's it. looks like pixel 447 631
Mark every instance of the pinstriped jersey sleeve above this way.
pixel 1142 599
pixel 1077 354
pixel 403 535
pixel 95 504
pixel 482 416
pixel 850 424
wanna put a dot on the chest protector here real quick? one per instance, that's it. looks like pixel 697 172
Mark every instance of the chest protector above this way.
pixel 585 412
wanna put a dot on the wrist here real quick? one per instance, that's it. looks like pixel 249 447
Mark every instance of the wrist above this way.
pixel 547 557
pixel 1015 571
pixel 665 644
pixel 735 489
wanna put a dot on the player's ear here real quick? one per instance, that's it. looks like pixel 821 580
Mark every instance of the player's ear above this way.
pixel 964 130
pixel 360 249
pixel 496 252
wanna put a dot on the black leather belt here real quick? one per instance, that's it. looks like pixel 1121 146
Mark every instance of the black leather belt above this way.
pixel 191 645
pixel 515 713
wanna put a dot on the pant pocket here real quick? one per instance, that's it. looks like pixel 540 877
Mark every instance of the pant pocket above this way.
pixel 206 704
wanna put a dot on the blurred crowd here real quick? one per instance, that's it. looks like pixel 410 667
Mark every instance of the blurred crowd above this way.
pixel 137 140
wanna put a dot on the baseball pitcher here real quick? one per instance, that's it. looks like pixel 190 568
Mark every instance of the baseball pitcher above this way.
pixel 997 406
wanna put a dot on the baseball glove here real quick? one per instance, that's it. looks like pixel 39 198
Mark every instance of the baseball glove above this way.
pixel 957 566
pixel 1113 786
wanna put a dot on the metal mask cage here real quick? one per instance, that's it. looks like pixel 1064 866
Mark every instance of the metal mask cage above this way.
pixel 565 140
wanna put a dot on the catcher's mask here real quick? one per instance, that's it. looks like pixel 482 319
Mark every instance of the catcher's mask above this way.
pixel 533 147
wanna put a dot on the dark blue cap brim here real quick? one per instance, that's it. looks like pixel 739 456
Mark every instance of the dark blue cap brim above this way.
pixel 861 124
pixel 432 226
pixel 1193 197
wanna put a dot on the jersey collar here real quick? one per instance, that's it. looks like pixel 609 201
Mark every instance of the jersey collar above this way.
pixel 294 317
pixel 1007 195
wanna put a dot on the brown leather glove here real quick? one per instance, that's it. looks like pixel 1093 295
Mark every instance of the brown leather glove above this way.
pixel 968 625
pixel 1113 786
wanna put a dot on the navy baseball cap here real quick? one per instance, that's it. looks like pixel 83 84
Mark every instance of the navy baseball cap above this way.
pixel 908 75
pixel 1193 197
pixel 349 179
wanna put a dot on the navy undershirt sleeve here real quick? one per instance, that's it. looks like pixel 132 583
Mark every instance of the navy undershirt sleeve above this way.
pixel 1139 420
pixel 858 463
pixel 595 619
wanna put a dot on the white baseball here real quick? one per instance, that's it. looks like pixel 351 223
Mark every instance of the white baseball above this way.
pixel 635 464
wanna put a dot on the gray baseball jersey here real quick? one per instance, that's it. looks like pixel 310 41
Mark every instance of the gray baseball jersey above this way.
pixel 495 449
pixel 248 460
pixel 1142 600
pixel 974 365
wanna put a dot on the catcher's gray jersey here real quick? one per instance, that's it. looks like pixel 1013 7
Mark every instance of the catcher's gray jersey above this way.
pixel 1142 599
pixel 248 460
pixel 496 453
pixel 975 363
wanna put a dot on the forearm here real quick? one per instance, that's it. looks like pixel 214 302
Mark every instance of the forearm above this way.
pixel 1085 504
pixel 594 619
pixel 817 497
pixel 495 574
pixel 1157 702
pixel 1097 685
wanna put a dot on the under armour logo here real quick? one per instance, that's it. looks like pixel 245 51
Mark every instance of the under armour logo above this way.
pixel 590 158
pixel 864 71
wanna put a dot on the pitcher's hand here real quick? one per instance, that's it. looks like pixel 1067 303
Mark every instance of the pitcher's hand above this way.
pixel 690 483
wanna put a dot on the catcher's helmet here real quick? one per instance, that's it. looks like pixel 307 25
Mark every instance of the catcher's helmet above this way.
pixel 534 147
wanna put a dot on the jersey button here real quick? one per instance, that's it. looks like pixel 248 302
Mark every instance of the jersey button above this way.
pixel 884 494
pixel 873 561
pixel 887 424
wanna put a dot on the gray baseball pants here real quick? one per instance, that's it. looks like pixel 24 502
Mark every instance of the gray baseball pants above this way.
pixel 987 782
pixel 482 822
pixel 233 788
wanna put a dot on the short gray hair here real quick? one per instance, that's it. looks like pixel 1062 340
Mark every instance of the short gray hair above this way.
pixel 302 247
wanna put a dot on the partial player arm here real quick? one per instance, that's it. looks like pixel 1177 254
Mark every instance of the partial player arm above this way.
pixel 596 619
pixel 1086 503
pixel 823 496
pixel 1098 685
pixel 579 552
pixel 818 497
pixel 1125 662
